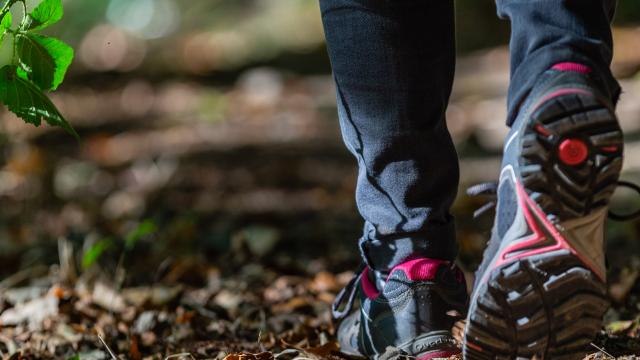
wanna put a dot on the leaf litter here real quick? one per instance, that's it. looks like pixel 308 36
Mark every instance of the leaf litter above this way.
pixel 232 317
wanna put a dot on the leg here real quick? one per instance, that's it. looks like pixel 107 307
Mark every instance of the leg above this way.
pixel 548 32
pixel 393 63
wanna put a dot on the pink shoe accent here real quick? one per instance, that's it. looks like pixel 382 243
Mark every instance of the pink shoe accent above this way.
pixel 612 148
pixel 416 270
pixel 542 130
pixel 420 269
pixel 474 346
pixel 369 289
pixel 571 66
pixel 558 93
pixel 439 355
pixel 528 206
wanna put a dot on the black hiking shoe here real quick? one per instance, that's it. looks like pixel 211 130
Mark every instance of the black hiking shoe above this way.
pixel 540 290
pixel 412 309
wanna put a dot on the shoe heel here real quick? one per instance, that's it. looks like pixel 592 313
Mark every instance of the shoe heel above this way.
pixel 571 154
pixel 549 306
pixel 548 300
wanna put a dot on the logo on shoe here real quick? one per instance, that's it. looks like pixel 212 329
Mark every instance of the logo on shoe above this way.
pixel 438 343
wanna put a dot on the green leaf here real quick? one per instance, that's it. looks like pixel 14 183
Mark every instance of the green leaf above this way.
pixel 46 59
pixel 24 99
pixel 6 49
pixel 47 13
pixel 35 60
pixel 145 228
pixel 23 74
pixel 6 22
pixel 74 357
pixel 93 254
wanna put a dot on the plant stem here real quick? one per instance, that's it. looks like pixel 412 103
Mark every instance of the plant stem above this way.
pixel 24 15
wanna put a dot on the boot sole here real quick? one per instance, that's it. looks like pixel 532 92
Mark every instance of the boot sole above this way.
pixel 548 302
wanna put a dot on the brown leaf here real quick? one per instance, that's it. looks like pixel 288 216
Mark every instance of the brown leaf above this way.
pixel 106 297
pixel 134 351
pixel 59 292
pixel 323 350
pixel 291 305
pixel 184 316
pixel 324 281
pixel 329 350
pixel 283 288
pixel 246 356
pixel 621 288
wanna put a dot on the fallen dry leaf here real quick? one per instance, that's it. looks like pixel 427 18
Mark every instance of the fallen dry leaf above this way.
pixel 245 356
pixel 322 351
pixel 134 351
pixel 324 281
pixel 106 297
pixel 32 313
pixel 619 290
pixel 291 305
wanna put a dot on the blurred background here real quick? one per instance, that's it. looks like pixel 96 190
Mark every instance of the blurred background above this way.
pixel 209 133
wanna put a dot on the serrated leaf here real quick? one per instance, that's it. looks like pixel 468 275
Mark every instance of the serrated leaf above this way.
pixel 35 60
pixel 47 13
pixel 46 59
pixel 24 99
pixel 62 56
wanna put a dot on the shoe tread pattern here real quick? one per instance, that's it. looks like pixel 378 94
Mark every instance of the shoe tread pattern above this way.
pixel 562 190
pixel 547 306
pixel 550 306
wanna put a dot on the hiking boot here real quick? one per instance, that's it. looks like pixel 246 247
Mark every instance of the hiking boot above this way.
pixel 412 309
pixel 540 290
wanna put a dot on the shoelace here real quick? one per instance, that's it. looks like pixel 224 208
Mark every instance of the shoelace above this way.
pixel 490 188
pixel 347 293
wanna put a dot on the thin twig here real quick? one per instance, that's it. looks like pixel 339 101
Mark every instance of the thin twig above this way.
pixel 602 351
pixel 107 346
pixel 67 261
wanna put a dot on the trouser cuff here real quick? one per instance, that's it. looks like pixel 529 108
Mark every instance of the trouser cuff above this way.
pixel 438 241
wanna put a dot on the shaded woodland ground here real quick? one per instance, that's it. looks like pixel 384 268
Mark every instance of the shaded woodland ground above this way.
pixel 206 218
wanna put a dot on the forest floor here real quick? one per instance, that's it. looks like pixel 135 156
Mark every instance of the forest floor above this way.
pixel 196 221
